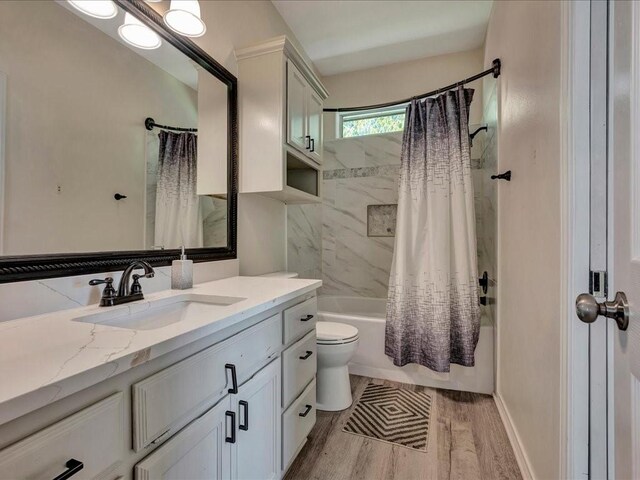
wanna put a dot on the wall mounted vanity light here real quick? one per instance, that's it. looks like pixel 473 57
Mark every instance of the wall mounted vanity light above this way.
pixel 135 33
pixel 103 9
pixel 183 17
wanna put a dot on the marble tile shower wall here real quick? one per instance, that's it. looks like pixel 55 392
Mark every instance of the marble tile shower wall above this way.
pixel 486 198
pixel 329 241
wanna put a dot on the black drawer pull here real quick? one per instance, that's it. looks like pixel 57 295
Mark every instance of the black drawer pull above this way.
pixel 306 411
pixel 232 416
pixel 307 142
pixel 307 318
pixel 313 145
pixel 234 377
pixel 307 355
pixel 73 467
pixel 245 405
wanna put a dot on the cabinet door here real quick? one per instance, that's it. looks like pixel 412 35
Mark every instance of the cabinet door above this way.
pixel 314 125
pixel 92 439
pixel 166 401
pixel 200 451
pixel 296 108
pixel 256 453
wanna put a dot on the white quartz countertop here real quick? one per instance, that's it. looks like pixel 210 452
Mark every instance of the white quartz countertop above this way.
pixel 48 357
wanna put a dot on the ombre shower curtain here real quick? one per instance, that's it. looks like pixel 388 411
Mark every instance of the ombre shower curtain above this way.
pixel 178 217
pixel 433 312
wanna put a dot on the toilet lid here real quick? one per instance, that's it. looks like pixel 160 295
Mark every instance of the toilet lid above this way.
pixel 335 332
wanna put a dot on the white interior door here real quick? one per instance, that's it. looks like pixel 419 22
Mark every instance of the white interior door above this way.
pixel 625 183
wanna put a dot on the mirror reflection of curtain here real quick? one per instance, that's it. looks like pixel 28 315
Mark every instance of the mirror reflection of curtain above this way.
pixel 178 217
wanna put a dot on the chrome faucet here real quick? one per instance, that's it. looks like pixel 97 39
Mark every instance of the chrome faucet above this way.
pixel 125 293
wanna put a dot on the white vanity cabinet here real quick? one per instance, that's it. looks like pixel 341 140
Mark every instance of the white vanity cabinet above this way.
pixel 256 451
pixel 199 451
pixel 213 409
pixel 168 400
pixel 299 367
pixel 281 101
pixel 236 439
pixel 89 444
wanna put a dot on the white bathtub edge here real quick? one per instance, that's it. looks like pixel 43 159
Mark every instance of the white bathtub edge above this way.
pixel 399 376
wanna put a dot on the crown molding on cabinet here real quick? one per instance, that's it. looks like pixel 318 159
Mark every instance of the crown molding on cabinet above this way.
pixel 283 44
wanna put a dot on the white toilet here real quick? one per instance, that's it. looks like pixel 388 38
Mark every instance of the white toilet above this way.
pixel 337 342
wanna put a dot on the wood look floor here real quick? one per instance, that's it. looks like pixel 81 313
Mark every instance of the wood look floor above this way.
pixel 467 441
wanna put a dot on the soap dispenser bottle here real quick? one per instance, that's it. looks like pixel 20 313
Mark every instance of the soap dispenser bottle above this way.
pixel 182 272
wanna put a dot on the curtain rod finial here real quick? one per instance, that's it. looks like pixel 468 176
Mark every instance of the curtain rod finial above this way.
pixel 149 123
pixel 496 67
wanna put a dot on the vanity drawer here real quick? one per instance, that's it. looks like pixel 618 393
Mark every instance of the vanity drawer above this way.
pixel 300 319
pixel 295 426
pixel 171 398
pixel 93 436
pixel 299 365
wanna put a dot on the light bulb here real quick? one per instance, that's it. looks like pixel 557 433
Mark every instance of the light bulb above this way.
pixel 103 9
pixel 136 33
pixel 183 17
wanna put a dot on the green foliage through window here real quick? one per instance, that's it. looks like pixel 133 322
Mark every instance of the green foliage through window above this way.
pixel 356 127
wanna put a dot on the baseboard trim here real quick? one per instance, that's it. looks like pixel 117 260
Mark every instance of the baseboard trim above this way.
pixel 514 439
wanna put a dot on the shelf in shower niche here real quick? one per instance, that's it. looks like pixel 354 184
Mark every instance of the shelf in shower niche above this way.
pixel 381 220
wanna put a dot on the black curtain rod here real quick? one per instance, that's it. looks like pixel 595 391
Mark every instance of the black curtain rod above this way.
pixel 494 70
pixel 150 124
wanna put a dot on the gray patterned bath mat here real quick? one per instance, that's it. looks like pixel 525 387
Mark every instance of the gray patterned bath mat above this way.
pixel 394 415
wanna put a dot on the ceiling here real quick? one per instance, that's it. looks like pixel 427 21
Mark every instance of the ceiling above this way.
pixel 346 35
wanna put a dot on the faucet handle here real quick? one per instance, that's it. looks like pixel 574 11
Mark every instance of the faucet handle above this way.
pixel 99 281
pixel 135 285
pixel 109 293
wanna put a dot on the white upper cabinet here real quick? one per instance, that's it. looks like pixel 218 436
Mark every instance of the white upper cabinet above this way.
pixel 314 125
pixel 281 101
pixel 296 108
pixel 304 115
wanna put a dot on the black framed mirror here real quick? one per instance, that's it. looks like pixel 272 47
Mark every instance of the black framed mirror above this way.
pixel 86 169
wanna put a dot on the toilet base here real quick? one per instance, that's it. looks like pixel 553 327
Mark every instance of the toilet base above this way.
pixel 333 392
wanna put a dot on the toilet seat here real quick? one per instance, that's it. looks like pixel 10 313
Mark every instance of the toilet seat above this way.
pixel 333 333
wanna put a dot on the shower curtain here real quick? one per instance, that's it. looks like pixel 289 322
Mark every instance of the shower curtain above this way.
pixel 178 217
pixel 433 312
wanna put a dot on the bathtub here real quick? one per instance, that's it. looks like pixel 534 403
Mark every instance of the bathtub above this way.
pixel 368 316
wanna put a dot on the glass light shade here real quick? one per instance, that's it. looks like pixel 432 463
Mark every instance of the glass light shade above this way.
pixel 103 9
pixel 183 17
pixel 136 33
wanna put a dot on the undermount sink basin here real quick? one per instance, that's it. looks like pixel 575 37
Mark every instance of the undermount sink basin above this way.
pixel 160 313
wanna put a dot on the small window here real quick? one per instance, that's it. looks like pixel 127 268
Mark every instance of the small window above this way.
pixel 372 122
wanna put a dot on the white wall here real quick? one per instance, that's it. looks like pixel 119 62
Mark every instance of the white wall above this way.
pixel 525 35
pixel 403 80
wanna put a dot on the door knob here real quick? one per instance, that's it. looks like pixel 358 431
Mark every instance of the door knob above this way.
pixel 588 309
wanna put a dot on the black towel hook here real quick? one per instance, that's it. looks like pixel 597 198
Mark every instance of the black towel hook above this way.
pixel 503 176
